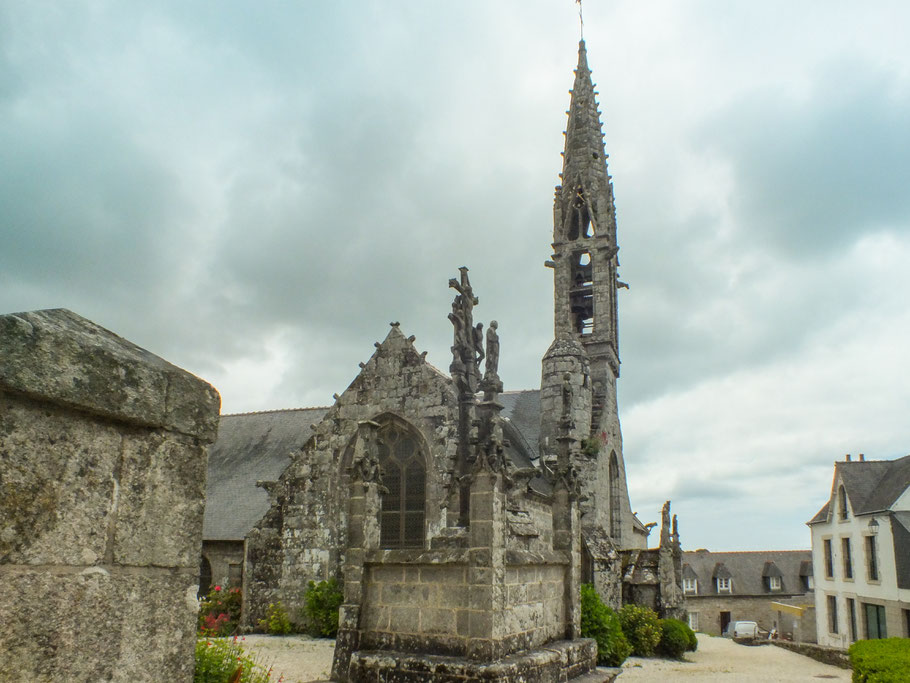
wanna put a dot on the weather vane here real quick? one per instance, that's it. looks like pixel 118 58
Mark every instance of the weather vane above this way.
pixel 581 20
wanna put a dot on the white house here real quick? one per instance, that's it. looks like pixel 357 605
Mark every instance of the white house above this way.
pixel 861 553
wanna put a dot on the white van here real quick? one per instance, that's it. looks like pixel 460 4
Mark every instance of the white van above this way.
pixel 744 629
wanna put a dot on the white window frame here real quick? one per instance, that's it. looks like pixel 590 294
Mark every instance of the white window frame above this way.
pixel 693 620
pixel 724 585
pixel 690 586
pixel 774 583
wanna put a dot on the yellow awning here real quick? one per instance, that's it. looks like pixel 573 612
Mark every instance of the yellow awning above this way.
pixel 788 609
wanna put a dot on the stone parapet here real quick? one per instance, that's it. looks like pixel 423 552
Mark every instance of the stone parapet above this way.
pixel 102 473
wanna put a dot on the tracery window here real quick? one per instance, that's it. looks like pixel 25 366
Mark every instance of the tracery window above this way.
pixel 403 511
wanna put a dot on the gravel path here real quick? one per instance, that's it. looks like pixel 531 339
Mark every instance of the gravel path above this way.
pixel 299 659
pixel 720 659
pixel 302 660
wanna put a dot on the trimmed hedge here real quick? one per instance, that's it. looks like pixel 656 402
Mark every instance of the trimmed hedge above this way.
pixel 674 638
pixel 641 627
pixel 601 623
pixel 880 661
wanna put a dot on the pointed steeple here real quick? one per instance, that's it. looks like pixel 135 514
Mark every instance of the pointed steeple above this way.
pixel 584 201
pixel 584 158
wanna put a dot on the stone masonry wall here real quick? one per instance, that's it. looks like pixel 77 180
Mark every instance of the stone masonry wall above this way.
pixel 754 608
pixel 425 607
pixel 303 536
pixel 535 607
pixel 102 478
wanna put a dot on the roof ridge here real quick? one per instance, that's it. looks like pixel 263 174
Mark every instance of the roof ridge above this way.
pixel 275 410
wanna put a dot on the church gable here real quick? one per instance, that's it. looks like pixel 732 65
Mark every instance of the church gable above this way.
pixel 303 537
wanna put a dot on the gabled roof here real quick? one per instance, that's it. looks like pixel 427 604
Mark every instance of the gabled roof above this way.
pixel 748 570
pixel 721 572
pixel 250 447
pixel 258 446
pixel 871 485
pixel 688 572
pixel 771 570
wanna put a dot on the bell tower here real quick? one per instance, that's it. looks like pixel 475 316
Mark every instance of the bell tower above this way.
pixel 584 242
pixel 585 350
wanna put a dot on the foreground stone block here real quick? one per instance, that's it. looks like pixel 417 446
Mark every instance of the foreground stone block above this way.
pixel 102 478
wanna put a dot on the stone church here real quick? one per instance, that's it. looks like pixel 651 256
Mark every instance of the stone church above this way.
pixel 288 493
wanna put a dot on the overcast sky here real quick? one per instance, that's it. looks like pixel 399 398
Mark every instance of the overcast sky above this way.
pixel 255 190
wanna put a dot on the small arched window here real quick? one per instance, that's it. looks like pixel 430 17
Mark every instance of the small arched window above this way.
pixel 205 577
pixel 842 503
pixel 615 509
pixel 404 476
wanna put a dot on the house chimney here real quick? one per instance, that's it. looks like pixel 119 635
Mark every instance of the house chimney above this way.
pixel 848 457
pixel 862 457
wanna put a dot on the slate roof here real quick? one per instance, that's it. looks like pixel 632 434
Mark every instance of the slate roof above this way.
pixel 522 408
pixel 250 447
pixel 871 485
pixel 748 570
pixel 258 446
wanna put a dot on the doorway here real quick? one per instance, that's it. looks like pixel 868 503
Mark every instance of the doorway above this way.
pixel 724 621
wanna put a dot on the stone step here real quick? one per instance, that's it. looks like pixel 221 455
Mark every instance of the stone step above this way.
pixel 601 674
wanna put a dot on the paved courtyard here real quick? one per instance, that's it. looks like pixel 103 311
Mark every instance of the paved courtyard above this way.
pixel 720 659
pixel 302 659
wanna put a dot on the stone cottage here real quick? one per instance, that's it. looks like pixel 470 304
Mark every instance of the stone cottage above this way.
pixel 425 426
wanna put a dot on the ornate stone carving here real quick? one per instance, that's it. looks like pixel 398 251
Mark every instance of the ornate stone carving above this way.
pixel 465 364
pixel 365 467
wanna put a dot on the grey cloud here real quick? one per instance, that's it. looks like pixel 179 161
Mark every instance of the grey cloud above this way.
pixel 813 175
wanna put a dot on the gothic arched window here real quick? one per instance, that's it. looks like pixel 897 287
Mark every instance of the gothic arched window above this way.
pixel 404 475
pixel 615 509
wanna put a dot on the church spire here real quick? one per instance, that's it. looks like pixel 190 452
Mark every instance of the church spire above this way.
pixel 584 231
pixel 584 160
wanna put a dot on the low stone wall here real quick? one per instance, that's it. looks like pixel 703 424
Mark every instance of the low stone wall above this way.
pixel 102 483
pixel 419 601
pixel 418 607
pixel 559 661
pixel 825 655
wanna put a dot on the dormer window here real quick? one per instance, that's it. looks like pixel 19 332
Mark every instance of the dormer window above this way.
pixel 772 576
pixel 724 585
pixel 842 513
pixel 690 586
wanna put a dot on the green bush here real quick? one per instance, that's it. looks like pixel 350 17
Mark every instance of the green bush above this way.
pixel 693 639
pixel 640 626
pixel 276 622
pixel 880 661
pixel 601 623
pixel 218 661
pixel 320 608
pixel 219 612
pixel 674 638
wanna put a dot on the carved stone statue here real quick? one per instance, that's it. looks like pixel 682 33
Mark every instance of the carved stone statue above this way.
pixel 566 395
pixel 492 366
pixel 465 364
pixel 478 342
pixel 365 467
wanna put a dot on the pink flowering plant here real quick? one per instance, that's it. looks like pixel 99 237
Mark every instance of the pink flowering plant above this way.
pixel 219 611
